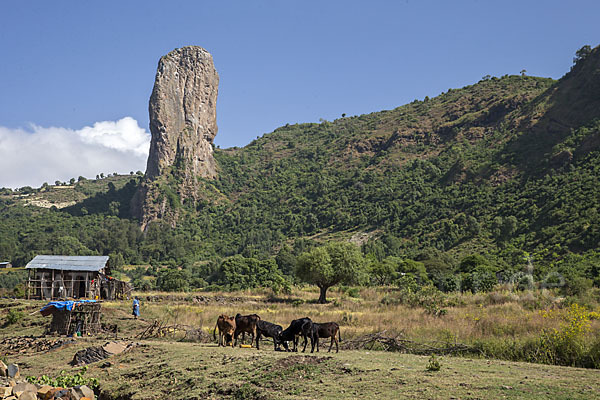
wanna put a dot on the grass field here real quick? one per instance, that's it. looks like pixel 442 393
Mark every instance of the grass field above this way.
pixel 176 370
pixel 167 367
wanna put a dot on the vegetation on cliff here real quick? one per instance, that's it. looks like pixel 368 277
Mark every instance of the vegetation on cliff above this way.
pixel 505 169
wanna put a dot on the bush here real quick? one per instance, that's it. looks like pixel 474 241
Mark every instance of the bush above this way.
pixel 449 283
pixel 19 291
pixel 240 272
pixel 576 285
pixel 173 280
pixel 427 297
pixel 11 279
pixel 567 345
pixel 407 283
pixel 434 364
pixel 482 281
pixel 65 380
pixel 14 316
pixel 390 301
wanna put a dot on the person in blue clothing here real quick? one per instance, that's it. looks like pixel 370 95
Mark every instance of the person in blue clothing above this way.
pixel 136 308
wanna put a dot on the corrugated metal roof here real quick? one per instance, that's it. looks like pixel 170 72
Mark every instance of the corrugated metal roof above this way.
pixel 69 263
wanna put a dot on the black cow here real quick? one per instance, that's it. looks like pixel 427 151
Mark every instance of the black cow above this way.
pixel 325 330
pixel 268 329
pixel 243 324
pixel 303 327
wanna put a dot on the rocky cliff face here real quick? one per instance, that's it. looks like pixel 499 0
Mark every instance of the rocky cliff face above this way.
pixel 183 117
pixel 183 125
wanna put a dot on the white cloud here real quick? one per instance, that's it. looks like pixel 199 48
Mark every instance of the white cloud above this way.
pixel 31 157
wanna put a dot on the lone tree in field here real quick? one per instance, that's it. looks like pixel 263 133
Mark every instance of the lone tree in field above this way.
pixel 329 265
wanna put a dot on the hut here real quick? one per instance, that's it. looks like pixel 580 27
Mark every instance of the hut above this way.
pixel 5 264
pixel 73 317
pixel 62 277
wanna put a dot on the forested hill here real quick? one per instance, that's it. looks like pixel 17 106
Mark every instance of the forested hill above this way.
pixel 505 167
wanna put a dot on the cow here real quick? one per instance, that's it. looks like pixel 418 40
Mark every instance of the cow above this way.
pixel 268 329
pixel 303 327
pixel 226 327
pixel 325 330
pixel 243 324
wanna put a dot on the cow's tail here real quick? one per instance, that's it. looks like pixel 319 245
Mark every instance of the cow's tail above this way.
pixel 339 334
pixel 215 331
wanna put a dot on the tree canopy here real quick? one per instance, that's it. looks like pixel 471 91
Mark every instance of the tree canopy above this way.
pixel 331 264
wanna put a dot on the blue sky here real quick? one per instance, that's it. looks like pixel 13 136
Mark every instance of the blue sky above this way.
pixel 72 64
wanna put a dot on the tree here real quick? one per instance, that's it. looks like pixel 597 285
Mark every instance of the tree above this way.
pixel 384 272
pixel 331 264
pixel 582 53
pixel 113 208
pixel 414 268
pixel 473 262
pixel 238 272
pixel 173 280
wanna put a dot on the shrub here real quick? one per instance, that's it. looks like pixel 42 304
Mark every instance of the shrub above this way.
pixel 566 345
pixel 407 283
pixel 173 280
pixel 247 273
pixel 427 297
pixel 19 291
pixel 389 301
pixel 479 281
pixel 14 316
pixel 297 302
pixel 449 283
pixel 65 380
pixel 434 364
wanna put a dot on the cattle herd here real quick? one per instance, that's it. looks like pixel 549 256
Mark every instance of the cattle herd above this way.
pixel 231 327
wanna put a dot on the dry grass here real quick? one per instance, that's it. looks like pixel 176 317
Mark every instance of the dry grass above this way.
pixel 493 316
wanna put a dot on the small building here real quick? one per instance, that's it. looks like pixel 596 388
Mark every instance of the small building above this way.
pixel 76 277
pixel 73 317
pixel 5 264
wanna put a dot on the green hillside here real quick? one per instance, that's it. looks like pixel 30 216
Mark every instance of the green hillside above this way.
pixel 506 168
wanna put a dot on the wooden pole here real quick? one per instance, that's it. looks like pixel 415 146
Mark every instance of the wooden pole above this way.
pixel 28 282
pixel 52 287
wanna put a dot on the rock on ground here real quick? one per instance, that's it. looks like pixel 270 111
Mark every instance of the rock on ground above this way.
pixel 13 371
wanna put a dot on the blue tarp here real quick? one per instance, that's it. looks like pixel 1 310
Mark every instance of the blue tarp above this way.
pixel 68 304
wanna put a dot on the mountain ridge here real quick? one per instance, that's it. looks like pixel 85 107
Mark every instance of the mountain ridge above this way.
pixel 504 167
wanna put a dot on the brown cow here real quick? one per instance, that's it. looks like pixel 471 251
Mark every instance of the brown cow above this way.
pixel 325 330
pixel 226 327
pixel 243 324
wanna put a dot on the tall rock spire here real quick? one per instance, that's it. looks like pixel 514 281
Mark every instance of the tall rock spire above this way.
pixel 183 125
